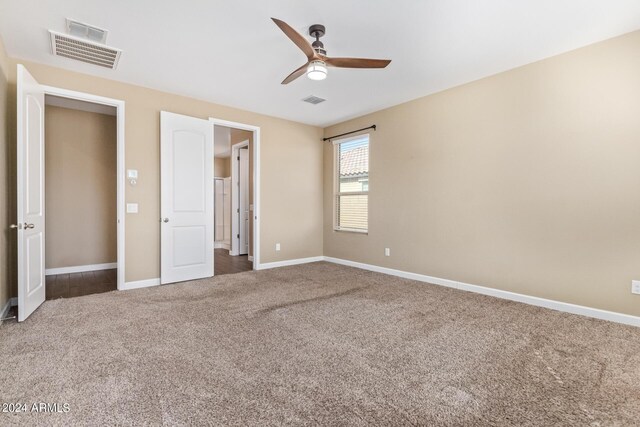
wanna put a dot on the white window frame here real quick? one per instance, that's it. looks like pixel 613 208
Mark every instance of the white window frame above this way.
pixel 336 183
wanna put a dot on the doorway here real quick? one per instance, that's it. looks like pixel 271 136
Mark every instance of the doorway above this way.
pixel 31 186
pixel 80 198
pixel 187 197
pixel 233 170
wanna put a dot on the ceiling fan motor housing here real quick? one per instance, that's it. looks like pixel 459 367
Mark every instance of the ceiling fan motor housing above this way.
pixel 318 31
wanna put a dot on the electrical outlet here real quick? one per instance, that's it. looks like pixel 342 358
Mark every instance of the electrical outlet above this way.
pixel 387 252
pixel 635 286
pixel 277 246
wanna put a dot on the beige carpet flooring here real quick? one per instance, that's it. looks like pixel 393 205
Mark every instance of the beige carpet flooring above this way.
pixel 317 344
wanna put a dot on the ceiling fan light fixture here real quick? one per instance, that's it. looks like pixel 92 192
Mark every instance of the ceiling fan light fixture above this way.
pixel 317 59
pixel 317 70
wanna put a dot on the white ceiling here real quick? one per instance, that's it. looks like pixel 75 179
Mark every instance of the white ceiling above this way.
pixel 231 53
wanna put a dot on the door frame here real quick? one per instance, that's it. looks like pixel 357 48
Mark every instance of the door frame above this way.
pixel 120 116
pixel 256 181
pixel 235 201
pixel 216 243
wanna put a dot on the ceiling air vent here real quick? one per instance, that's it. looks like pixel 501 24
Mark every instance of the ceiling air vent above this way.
pixel 84 50
pixel 312 99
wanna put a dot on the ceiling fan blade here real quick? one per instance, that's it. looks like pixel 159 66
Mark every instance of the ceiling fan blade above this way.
pixel 296 37
pixel 297 73
pixel 357 62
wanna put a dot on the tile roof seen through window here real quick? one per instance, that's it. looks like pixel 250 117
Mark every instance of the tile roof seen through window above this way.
pixel 354 158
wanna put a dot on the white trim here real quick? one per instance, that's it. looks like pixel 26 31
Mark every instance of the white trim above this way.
pixel 120 123
pixel 80 268
pixel 351 230
pixel 268 265
pixel 221 245
pixel 250 257
pixel 498 293
pixel 140 284
pixel 256 181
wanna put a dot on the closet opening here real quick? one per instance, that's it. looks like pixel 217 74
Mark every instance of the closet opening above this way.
pixel 81 197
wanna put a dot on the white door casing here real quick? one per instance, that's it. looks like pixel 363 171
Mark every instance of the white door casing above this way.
pixel 243 195
pixel 220 207
pixel 227 210
pixel 119 105
pixel 30 180
pixel 187 198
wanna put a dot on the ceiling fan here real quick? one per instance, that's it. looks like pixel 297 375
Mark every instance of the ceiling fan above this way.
pixel 317 59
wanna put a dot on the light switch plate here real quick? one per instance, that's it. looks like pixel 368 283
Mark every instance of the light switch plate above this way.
pixel 387 252
pixel 635 287
pixel 132 208
pixel 277 246
pixel 132 174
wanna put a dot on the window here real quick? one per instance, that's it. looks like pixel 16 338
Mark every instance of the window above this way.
pixel 351 183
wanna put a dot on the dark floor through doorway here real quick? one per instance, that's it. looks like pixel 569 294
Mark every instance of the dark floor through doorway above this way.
pixel 79 284
pixel 227 264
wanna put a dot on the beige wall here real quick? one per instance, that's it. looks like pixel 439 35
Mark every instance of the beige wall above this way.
pixel 80 188
pixel 7 236
pixel 527 181
pixel 299 146
pixel 222 167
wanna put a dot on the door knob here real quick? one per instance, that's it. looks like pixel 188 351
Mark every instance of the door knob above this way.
pixel 165 220
pixel 29 226
pixel 18 226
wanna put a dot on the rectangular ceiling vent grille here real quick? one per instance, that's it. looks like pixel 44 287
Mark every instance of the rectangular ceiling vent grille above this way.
pixel 84 50
pixel 312 99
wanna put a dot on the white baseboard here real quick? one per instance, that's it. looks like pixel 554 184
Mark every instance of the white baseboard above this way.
pixel 80 268
pixel 596 313
pixel 498 293
pixel 221 245
pixel 250 258
pixel 267 265
pixel 140 284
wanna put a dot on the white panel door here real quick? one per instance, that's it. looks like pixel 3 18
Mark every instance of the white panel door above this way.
pixel 30 180
pixel 244 200
pixel 187 198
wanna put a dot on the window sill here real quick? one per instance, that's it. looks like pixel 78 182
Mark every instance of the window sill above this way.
pixel 351 230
